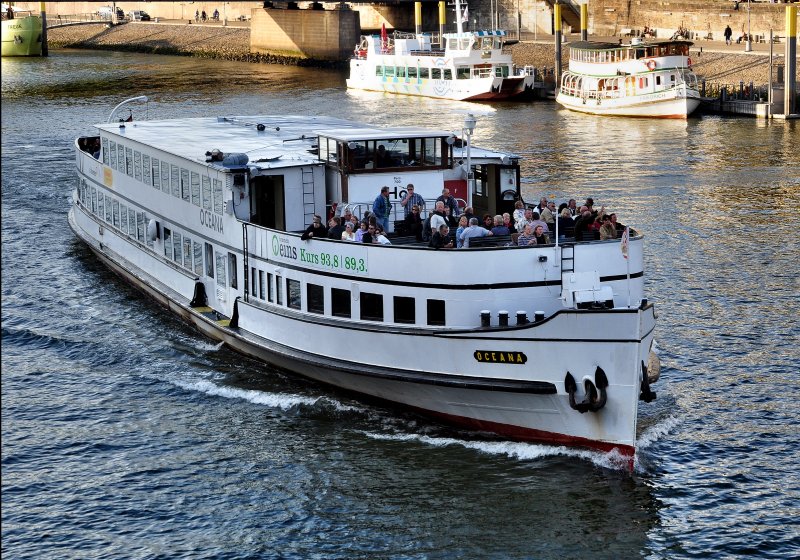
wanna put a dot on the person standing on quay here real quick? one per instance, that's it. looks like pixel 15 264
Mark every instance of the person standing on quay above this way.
pixel 728 34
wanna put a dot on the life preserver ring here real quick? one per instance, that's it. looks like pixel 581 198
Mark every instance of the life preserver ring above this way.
pixel 689 61
pixel 651 64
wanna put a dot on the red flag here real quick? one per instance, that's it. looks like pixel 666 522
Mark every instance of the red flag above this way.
pixel 384 39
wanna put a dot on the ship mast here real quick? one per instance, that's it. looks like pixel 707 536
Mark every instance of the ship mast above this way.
pixel 459 26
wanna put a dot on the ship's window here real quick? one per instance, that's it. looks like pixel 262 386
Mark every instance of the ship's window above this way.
pixel 672 78
pixel 218 196
pixel 452 43
pixel 340 302
pixel 436 73
pixel 209 260
pixel 109 206
pixel 140 217
pixel 101 205
pixel 198 258
pixel 436 312
pixel 112 157
pixel 253 284
pixel 206 192
pixel 278 290
pixel 379 71
pixel 388 71
pixel 121 158
pixel 220 268
pixel 315 298
pixel 146 170
pixel 165 177
pixel 129 161
pixel 123 218
pixel 132 223
pixel 401 72
pixel 195 188
pixel 658 80
pixel 404 311
pixel 233 271
pixel 104 142
pixel 146 240
pixel 187 253
pixel 462 73
pixel 137 165
pixel 424 73
pixel 448 74
pixel 371 307
pixel 177 251
pixel 175 180
pixel 185 185
pixel 261 289
pixel 156 174
pixel 168 243
pixel 115 213
pixel 270 289
pixel 412 72
pixel 94 201
pixel 293 298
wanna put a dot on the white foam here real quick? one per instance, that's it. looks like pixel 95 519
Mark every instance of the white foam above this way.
pixel 273 400
pixel 517 450
pixel 655 432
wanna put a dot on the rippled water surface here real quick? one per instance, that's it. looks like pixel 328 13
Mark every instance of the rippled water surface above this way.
pixel 127 435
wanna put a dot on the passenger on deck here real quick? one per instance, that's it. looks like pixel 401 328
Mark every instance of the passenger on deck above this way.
pixel 541 237
pixel 367 236
pixel 463 223
pixel 347 234
pixel 439 240
pixel 583 223
pixel 488 221
pixel 566 225
pixel 541 206
pixel 548 215
pixel 316 229
pixel 526 238
pixel 469 213
pixel 335 228
pixel 619 227
pixel 499 228
pixel 449 200
pixel 537 221
pixel 451 220
pixel 382 208
pixel 414 222
pixel 508 223
pixel 527 217
pixel 573 207
pixel 607 230
pixel 380 237
pixel 519 212
pixel 474 230
pixel 438 218
pixel 362 229
pixel 411 199
pixel 347 216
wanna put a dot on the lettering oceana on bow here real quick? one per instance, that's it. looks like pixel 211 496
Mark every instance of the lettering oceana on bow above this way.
pixel 500 357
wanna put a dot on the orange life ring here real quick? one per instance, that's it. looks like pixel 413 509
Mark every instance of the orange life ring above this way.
pixel 689 61
pixel 651 64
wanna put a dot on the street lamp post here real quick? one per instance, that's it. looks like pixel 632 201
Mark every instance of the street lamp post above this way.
pixel 748 45
pixel 469 128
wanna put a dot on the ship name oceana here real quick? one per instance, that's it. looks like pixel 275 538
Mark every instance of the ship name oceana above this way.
pixel 211 220
pixel 500 357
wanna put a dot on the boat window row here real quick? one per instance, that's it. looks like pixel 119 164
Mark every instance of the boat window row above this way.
pixel 628 53
pixel 128 221
pixel 413 72
pixel 202 191
pixel 271 288
pixel 365 155
pixel 623 86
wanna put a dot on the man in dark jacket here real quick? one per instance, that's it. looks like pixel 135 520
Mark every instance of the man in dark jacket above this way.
pixel 335 228
pixel 316 229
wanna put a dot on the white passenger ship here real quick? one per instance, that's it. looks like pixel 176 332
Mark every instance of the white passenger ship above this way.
pixel 633 80
pixel 205 215
pixel 464 66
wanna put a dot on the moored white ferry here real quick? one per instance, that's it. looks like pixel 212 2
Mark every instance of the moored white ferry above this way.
pixel 639 79
pixel 548 343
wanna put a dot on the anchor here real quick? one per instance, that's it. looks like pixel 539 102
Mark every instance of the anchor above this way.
pixel 592 401
pixel 647 395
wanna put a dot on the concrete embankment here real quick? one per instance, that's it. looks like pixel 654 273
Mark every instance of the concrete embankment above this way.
pixel 233 43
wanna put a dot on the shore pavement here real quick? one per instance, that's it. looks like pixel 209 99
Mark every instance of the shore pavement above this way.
pixel 713 61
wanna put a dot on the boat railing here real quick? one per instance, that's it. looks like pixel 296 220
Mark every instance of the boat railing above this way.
pixel 432 52
pixel 398 212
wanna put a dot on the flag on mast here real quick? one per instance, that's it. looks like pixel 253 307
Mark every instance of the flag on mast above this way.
pixel 465 15
pixel 623 245
pixel 384 39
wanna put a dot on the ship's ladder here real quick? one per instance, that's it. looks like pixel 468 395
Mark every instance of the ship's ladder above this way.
pixel 308 195
pixel 567 260
pixel 246 263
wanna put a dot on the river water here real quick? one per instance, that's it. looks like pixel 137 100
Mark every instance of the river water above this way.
pixel 126 434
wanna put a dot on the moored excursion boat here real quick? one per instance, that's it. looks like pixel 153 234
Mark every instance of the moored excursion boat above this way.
pixel 206 216
pixel 464 66
pixel 652 79
pixel 21 32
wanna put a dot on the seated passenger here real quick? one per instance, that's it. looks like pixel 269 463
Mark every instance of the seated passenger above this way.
pixel 440 240
pixel 537 221
pixel 566 225
pixel 335 228
pixel 540 236
pixel 499 228
pixel 361 231
pixel 380 237
pixel 607 230
pixel 347 234
pixel 463 223
pixel 437 218
pixel 508 223
pixel 488 221
pixel 474 230
pixel 526 238
pixel 316 229
pixel 414 222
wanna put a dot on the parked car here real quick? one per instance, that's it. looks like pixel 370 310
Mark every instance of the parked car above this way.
pixel 106 11
pixel 138 15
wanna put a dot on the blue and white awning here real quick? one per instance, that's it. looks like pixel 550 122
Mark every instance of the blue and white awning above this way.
pixel 492 33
